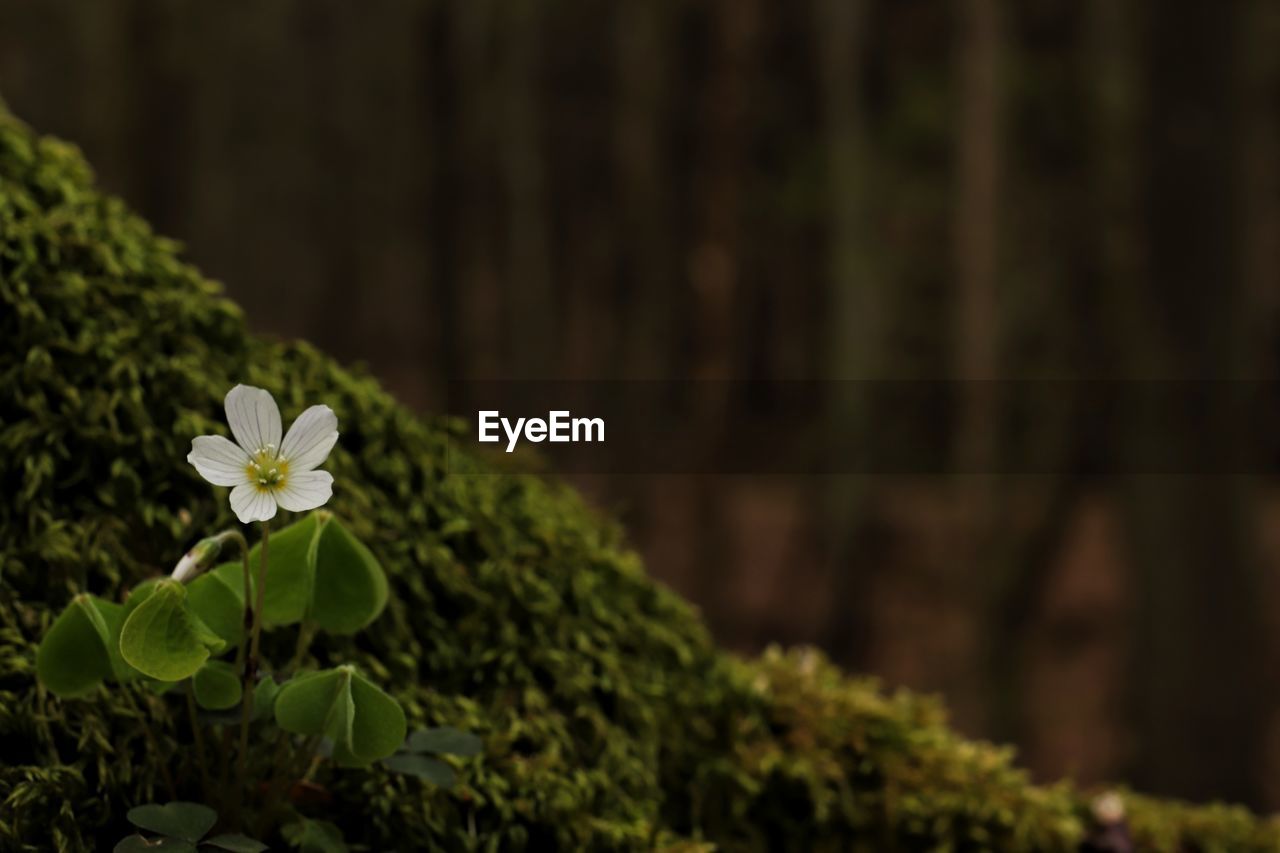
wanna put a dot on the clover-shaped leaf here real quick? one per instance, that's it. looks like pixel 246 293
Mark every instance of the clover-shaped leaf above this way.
pixel 314 836
pixel 139 594
pixel 235 843
pixel 74 657
pixel 183 821
pixel 264 697
pixel 114 615
pixel 377 727
pixel 308 704
pixel 290 571
pixel 217 686
pixel 217 597
pixel 364 723
pixel 181 826
pixel 163 639
pixel 137 844
pixel 318 572
pixel 350 587
pixel 424 767
pixel 445 740
pixel 412 759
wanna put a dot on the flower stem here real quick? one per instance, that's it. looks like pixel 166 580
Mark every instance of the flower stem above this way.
pixel 289 769
pixel 224 759
pixel 262 594
pixel 279 763
pixel 253 616
pixel 153 743
pixel 306 633
pixel 198 735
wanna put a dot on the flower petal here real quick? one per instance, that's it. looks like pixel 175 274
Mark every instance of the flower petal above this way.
pixel 254 418
pixel 305 490
pixel 252 504
pixel 310 438
pixel 219 461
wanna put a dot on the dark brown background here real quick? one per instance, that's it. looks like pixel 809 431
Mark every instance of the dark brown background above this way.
pixel 832 189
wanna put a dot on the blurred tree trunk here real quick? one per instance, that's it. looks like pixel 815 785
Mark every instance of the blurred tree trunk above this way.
pixel 714 265
pixel 1259 177
pixel 532 325
pixel 377 51
pixel 714 268
pixel 1196 692
pixel 160 113
pixel 1050 319
pixel 1067 411
pixel 854 318
pixel 642 30
pixel 977 332
pixel 330 118
pixel 646 263
pixel 472 228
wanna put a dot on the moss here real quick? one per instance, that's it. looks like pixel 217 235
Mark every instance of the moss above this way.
pixel 610 720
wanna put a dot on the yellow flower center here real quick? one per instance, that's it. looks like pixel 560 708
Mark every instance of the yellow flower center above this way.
pixel 267 470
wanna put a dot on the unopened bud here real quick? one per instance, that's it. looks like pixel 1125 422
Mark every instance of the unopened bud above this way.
pixel 201 556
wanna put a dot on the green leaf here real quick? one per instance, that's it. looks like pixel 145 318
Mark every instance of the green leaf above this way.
pixel 138 844
pixel 316 570
pixel 445 740
pixel 217 597
pixel 309 704
pixel 350 588
pixel 314 836
pixel 163 639
pixel 217 686
pixel 264 698
pixel 139 594
pixel 432 770
pixel 235 843
pixel 185 821
pixel 377 729
pixel 113 616
pixel 291 560
pixel 364 723
pixel 73 659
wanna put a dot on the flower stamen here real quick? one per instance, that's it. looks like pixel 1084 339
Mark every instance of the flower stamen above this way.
pixel 267 470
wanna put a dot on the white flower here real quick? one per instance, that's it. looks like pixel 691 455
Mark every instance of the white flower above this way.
pixel 264 471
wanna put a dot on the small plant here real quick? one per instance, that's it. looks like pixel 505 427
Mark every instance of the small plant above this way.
pixel 200 631
pixel 182 828
pixel 416 757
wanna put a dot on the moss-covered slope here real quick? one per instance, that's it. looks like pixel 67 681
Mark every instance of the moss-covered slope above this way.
pixel 609 719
